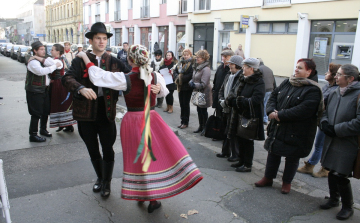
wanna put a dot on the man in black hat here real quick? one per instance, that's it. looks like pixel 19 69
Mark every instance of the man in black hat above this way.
pixel 37 92
pixel 95 107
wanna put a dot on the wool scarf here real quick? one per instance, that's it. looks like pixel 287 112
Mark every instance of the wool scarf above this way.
pixel 343 89
pixel 167 62
pixel 182 67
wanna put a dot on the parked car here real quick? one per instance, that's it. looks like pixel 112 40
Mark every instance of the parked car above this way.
pixel 2 47
pixel 27 55
pixel 8 49
pixel 13 52
pixel 115 50
pixel 21 53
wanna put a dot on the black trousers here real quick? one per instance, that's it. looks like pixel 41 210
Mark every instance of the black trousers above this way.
pixel 102 127
pixel 39 108
pixel 170 98
pixel 184 99
pixel 273 163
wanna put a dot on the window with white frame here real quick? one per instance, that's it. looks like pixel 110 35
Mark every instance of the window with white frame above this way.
pixel 89 9
pixel 117 16
pixel 130 4
pixel 277 27
pixel 202 5
pixel 163 1
pixel 97 14
pixel 145 9
pixel 183 6
pixel 106 6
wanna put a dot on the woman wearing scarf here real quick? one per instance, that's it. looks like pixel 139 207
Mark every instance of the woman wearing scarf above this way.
pixel 60 98
pixel 169 62
pixel 183 74
pixel 294 108
pixel 341 125
pixel 250 90
pixel 230 85
pixel 156 164
pixel 155 65
pixel 201 82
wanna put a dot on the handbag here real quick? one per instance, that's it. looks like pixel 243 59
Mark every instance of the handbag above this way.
pixel 356 168
pixel 198 98
pixel 214 127
pixel 248 128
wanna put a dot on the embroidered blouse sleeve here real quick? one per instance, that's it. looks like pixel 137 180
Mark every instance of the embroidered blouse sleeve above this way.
pixel 50 61
pixel 101 78
pixel 163 90
pixel 35 67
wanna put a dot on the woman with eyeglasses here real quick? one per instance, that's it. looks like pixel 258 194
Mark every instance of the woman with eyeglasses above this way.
pixel 320 136
pixel 341 125
pixel 169 62
pixel 294 109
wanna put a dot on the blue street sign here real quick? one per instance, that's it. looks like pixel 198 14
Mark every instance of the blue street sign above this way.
pixel 41 35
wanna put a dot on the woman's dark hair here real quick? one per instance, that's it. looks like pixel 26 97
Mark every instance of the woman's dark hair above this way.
pixel 350 70
pixel 333 68
pixel 172 54
pixel 59 48
pixel 158 52
pixel 309 65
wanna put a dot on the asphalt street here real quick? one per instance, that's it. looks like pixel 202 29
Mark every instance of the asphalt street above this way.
pixel 52 181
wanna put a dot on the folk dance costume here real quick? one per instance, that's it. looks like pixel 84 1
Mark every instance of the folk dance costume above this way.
pixel 61 99
pixel 156 164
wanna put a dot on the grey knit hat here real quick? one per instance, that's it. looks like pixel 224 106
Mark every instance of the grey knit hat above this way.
pixel 237 60
pixel 252 62
pixel 227 53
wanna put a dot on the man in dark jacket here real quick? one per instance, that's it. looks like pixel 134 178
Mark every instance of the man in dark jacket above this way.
pixel 122 55
pixel 270 85
pixel 95 107
pixel 220 75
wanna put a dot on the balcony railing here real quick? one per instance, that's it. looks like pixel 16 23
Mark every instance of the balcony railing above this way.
pixel 145 11
pixel 276 2
pixel 117 16
pixel 97 18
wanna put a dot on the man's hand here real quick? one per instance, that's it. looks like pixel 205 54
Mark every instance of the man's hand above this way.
pixel 58 64
pixel 155 88
pixel 88 93
pixel 274 115
pixel 36 58
pixel 81 54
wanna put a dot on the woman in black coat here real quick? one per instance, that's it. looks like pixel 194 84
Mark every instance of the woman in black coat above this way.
pixel 294 108
pixel 169 63
pixel 251 90
pixel 182 75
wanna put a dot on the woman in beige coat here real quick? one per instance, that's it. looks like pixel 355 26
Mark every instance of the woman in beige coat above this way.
pixel 201 82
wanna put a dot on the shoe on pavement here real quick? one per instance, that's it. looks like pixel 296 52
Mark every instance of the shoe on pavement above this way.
pixel 321 173
pixel 233 159
pixel 44 132
pixel 36 138
pixel 243 169
pixel 307 168
pixel 264 182
pixel 285 189
pixel 331 203
pixel 222 155
pixel 152 208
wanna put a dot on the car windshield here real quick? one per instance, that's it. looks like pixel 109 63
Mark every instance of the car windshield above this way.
pixel 48 49
pixel 8 47
pixel 16 48
pixel 24 49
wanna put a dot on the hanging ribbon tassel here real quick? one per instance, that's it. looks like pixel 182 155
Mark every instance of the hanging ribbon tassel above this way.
pixel 145 142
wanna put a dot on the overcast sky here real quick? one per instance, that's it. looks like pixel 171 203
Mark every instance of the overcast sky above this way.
pixel 9 8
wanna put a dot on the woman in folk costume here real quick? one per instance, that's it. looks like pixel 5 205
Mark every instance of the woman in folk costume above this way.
pixel 156 164
pixel 60 98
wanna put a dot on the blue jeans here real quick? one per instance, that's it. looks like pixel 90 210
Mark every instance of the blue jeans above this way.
pixel 319 143
pixel 266 98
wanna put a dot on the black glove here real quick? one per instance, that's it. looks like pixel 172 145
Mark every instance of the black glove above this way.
pixel 328 129
pixel 192 84
pixel 230 102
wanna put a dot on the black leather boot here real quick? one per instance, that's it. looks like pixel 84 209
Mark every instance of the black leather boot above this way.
pixel 333 201
pixel 43 124
pixel 205 118
pixel 33 130
pixel 159 102
pixel 35 138
pixel 69 129
pixel 107 171
pixel 98 165
pixel 347 202
pixel 201 125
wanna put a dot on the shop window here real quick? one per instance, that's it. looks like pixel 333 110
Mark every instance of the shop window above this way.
pixel 346 26
pixel 228 26
pixel 277 27
pixel 322 26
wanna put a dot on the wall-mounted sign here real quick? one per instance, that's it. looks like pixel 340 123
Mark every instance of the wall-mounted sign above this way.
pixel 41 35
pixel 320 45
pixel 245 21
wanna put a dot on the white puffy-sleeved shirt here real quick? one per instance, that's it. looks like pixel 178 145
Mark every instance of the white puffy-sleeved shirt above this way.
pixel 117 80
pixel 50 61
pixel 35 67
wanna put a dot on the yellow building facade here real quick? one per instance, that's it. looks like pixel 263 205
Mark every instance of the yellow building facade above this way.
pixel 279 32
pixel 64 21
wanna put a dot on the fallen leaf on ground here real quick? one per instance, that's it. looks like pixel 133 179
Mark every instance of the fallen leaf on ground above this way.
pixel 183 216
pixel 235 215
pixel 188 148
pixel 193 211
pixel 166 216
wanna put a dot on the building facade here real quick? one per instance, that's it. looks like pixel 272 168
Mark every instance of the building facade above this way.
pixel 32 26
pixel 279 31
pixel 140 21
pixel 64 21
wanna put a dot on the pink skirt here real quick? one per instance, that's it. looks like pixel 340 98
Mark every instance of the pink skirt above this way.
pixel 172 173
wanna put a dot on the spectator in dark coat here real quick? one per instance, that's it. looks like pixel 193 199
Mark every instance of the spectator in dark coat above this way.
pixel 270 85
pixel 341 125
pixel 229 146
pixel 169 62
pixel 293 108
pixel 320 135
pixel 251 91
pixel 183 74
pixel 122 55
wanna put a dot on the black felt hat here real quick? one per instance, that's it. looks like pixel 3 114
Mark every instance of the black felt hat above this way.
pixel 36 45
pixel 98 27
